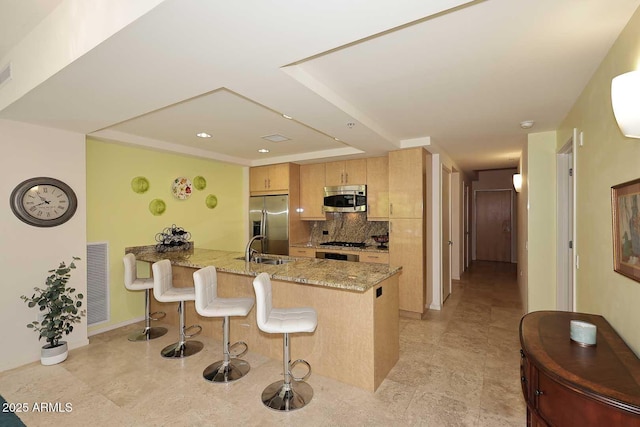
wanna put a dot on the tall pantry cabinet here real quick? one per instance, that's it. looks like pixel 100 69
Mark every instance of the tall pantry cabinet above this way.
pixel 409 178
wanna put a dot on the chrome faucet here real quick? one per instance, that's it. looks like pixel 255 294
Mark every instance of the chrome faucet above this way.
pixel 248 253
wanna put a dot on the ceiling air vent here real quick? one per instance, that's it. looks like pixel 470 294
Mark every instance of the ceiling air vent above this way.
pixel 5 74
pixel 276 137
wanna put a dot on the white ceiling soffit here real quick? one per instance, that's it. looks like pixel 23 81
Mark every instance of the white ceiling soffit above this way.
pixel 456 74
pixel 467 78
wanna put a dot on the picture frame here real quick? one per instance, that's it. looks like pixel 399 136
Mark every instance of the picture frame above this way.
pixel 625 207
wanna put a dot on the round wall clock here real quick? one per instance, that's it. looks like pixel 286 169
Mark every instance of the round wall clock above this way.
pixel 43 202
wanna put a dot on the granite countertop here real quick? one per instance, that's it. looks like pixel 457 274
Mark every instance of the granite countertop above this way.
pixel 368 248
pixel 352 276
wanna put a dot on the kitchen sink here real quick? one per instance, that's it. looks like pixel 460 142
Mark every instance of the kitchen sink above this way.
pixel 268 260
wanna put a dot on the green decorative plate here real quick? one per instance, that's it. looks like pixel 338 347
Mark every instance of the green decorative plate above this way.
pixel 157 207
pixel 139 184
pixel 211 201
pixel 199 183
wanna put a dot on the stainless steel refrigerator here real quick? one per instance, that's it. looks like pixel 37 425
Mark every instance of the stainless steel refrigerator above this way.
pixel 269 215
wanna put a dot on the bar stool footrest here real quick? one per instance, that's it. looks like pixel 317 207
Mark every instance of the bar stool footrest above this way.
pixel 161 316
pixel 293 365
pixel 238 344
pixel 192 327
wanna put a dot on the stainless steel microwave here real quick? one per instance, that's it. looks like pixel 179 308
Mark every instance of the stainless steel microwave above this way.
pixel 345 198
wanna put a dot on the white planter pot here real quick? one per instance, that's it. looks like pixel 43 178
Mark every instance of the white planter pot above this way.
pixel 52 355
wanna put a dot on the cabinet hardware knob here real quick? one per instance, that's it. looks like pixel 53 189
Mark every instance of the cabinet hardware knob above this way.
pixel 523 379
pixel 539 393
pixel 521 353
pixel 346 177
pixel 391 208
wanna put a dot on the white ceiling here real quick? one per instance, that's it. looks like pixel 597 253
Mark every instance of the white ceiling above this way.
pixel 375 74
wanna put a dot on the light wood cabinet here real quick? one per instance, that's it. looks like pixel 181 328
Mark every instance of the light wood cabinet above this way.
pixel 297 251
pixel 407 248
pixel 378 188
pixel 312 191
pixel 564 384
pixel 349 172
pixel 271 179
pixel 409 227
pixel 375 257
pixel 406 183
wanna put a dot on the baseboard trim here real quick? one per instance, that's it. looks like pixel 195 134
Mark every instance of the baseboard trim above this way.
pixel 115 326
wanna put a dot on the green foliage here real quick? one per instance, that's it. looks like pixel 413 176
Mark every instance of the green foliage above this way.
pixel 59 304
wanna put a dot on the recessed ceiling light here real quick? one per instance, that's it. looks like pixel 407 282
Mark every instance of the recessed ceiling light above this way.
pixel 336 139
pixel 203 135
pixel 527 124
pixel 276 137
pixel 287 117
pixel 263 150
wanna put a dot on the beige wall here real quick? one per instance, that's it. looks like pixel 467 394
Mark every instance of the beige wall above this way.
pixel 607 158
pixel 523 230
pixel 539 196
pixel 28 253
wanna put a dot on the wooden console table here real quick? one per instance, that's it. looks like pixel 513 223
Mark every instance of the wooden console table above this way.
pixel 565 384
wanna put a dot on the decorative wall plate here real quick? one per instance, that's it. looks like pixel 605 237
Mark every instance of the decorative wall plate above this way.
pixel 181 188
pixel 211 201
pixel 157 207
pixel 199 183
pixel 139 184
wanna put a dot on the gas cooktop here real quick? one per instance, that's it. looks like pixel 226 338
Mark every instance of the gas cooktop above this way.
pixel 346 244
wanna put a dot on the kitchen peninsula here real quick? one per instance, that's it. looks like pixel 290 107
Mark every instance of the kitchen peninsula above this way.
pixel 357 338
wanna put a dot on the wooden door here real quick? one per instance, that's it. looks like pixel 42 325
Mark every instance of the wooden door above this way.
pixel 312 191
pixel 493 225
pixel 334 174
pixel 278 179
pixel 406 183
pixel 355 172
pixel 378 188
pixel 258 178
pixel 446 234
pixel 406 248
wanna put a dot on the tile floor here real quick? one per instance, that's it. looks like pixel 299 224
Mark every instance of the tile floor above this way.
pixel 458 367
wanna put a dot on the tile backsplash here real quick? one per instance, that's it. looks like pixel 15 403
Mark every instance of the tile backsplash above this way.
pixel 347 227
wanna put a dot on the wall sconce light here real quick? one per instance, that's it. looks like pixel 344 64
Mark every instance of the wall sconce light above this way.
pixel 517 182
pixel 625 99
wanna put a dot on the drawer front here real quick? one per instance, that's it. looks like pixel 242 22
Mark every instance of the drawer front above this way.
pixel 302 252
pixel 376 257
pixel 560 406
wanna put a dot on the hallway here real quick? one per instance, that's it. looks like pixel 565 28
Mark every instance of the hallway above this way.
pixel 458 367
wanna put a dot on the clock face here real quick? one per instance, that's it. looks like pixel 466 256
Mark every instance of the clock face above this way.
pixel 46 202
pixel 43 202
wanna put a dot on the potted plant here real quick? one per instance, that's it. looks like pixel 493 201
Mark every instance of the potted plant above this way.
pixel 60 309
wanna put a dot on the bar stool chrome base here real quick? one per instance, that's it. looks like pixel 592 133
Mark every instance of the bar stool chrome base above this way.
pixel 279 397
pixel 181 349
pixel 217 372
pixel 147 334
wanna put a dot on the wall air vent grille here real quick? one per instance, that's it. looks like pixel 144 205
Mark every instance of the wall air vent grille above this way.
pixel 5 74
pixel 97 301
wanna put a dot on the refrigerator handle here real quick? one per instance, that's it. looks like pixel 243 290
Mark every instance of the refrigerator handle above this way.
pixel 263 231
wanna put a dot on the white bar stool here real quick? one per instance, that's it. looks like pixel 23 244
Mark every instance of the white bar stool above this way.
pixel 164 291
pixel 285 395
pixel 134 283
pixel 209 305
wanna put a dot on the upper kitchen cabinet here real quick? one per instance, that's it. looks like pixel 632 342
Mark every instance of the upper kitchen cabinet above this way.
pixel 378 188
pixel 407 169
pixel 271 179
pixel 312 178
pixel 349 172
